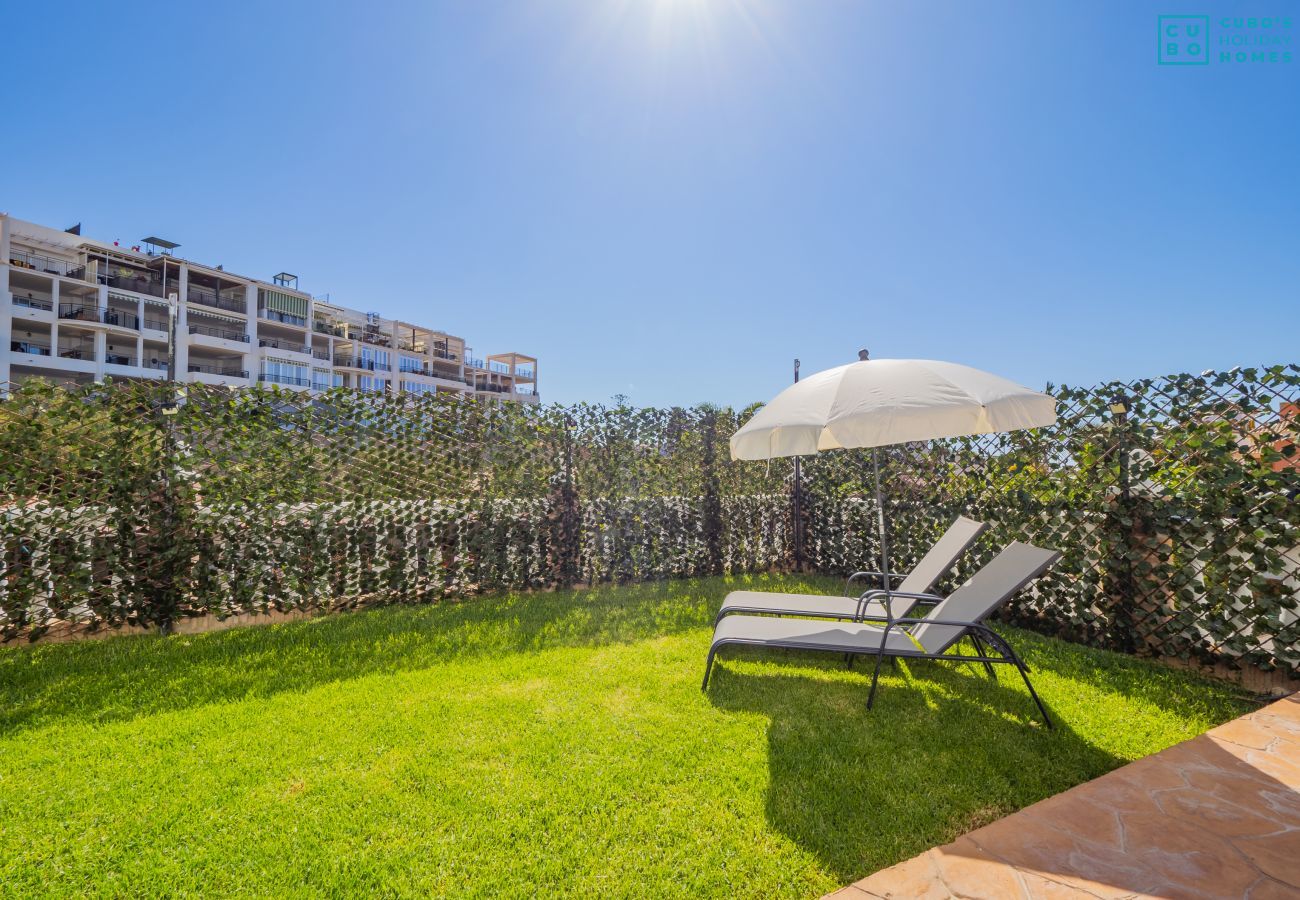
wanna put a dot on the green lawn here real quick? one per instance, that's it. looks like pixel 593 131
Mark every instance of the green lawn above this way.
pixel 532 745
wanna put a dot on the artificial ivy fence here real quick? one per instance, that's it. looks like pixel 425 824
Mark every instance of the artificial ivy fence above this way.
pixel 1173 500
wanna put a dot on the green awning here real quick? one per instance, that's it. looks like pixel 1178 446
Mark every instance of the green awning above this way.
pixel 284 303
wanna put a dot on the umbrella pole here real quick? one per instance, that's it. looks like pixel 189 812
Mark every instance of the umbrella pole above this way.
pixel 880 522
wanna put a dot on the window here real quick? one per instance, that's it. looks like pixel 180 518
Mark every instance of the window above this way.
pixel 375 359
pixel 373 383
pixel 284 372
pixel 410 364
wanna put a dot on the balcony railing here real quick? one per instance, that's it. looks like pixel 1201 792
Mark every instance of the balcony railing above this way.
pixel 321 354
pixel 274 316
pixel 504 389
pixel 216 301
pixel 283 345
pixel 215 369
pixel 285 379
pixel 34 303
pixel 47 264
pixel 160 364
pixel 83 351
pixel 375 339
pixel 105 314
pixel 141 284
pixel 117 359
pixel 327 328
pixel 445 354
pixel 223 333
pixel 156 324
pixel 28 347
pixel 355 362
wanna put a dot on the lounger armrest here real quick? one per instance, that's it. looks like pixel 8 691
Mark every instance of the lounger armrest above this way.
pixel 978 626
pixel 999 643
pixel 906 595
pixel 886 598
pixel 878 575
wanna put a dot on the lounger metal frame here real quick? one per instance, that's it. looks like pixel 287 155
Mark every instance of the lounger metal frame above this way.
pixel 979 633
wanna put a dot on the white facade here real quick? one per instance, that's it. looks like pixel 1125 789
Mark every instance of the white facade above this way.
pixel 79 310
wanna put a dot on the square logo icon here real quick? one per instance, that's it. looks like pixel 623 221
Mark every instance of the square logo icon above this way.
pixel 1184 40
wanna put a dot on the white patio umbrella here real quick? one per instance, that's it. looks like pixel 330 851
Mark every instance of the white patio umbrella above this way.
pixel 878 402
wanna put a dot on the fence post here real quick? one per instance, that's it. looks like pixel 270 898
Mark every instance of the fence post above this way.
pixel 796 501
pixel 153 528
pixel 711 501
pixel 1123 621
pixel 566 516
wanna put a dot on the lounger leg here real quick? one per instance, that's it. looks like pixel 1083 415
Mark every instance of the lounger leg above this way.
pixel 848 660
pixel 708 667
pixel 1047 720
pixel 875 677
pixel 979 650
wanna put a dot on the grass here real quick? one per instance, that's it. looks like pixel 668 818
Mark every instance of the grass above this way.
pixel 533 745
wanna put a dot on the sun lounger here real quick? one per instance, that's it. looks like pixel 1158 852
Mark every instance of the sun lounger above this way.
pixel 959 616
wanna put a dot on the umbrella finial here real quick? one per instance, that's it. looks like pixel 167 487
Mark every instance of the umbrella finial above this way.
pixel 864 354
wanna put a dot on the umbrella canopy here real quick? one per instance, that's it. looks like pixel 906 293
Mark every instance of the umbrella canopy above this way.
pixel 877 402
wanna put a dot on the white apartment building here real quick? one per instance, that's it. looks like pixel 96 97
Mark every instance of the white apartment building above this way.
pixel 79 310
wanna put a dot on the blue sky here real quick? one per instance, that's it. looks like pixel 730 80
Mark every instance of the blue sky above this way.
pixel 671 199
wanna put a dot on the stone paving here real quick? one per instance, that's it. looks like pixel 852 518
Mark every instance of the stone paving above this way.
pixel 1216 816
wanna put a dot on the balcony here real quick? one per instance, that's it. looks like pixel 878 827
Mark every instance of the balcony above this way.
pixel 28 347
pixel 103 314
pixel 118 359
pixel 224 333
pixel 34 303
pixel 272 315
pixel 285 379
pixel 21 259
pixel 288 346
pixel 327 328
pixel 356 362
pixel 321 354
pixel 140 283
pixel 157 324
pixel 502 389
pixel 217 369
pixel 373 338
pixel 214 300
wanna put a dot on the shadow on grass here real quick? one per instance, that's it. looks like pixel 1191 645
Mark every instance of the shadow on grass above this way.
pixel 944 750
pixel 122 677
